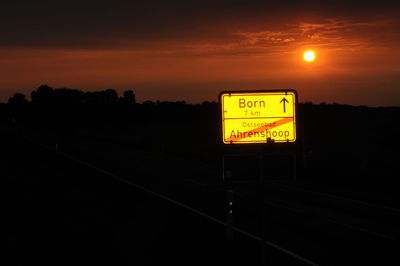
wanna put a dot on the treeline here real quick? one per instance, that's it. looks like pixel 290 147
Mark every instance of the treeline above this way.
pixel 63 107
pixel 46 95
pixel 69 108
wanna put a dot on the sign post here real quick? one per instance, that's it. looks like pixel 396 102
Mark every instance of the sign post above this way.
pixel 260 118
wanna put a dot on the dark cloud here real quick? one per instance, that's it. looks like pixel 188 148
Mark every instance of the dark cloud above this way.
pixel 142 24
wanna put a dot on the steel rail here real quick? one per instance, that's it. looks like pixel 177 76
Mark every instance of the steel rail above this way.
pixel 172 201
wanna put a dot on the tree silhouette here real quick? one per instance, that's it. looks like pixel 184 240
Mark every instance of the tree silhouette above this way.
pixel 110 96
pixel 42 95
pixel 18 98
pixel 128 98
pixel 46 95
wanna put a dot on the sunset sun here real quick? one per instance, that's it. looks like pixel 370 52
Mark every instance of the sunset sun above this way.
pixel 309 56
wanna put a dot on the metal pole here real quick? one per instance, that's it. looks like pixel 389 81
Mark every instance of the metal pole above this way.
pixel 230 233
pixel 262 211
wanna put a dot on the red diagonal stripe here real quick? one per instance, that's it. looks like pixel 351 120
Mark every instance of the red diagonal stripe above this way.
pixel 263 128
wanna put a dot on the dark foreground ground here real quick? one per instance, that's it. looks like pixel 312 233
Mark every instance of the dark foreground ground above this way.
pixel 59 211
pixel 68 198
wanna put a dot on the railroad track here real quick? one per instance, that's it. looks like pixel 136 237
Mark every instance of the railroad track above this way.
pixel 347 212
pixel 377 220
pixel 301 260
pixel 304 205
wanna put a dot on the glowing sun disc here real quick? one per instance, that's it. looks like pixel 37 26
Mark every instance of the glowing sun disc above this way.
pixel 309 56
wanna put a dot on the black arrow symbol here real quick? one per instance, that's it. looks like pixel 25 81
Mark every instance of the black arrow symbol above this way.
pixel 284 104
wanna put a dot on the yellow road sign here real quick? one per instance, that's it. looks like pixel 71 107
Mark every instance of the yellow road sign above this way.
pixel 255 116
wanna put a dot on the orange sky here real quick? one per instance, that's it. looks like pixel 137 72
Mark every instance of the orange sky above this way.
pixel 358 59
